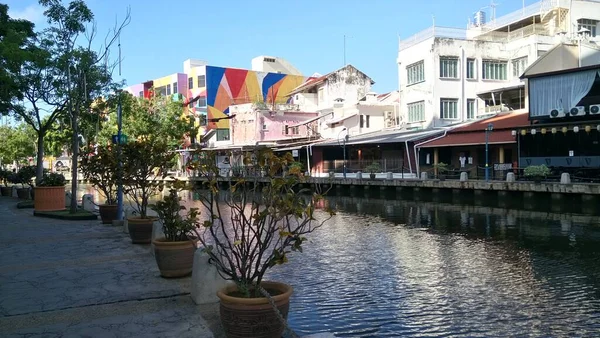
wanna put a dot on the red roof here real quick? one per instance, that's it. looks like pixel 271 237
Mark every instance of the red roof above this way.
pixel 474 133
pixel 472 138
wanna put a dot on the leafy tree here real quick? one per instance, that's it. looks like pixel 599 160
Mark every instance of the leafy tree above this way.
pixel 17 144
pixel 15 49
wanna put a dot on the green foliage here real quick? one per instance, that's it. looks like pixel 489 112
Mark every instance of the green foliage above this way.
pixel 100 169
pixel 537 170
pixel 15 49
pixel 374 167
pixel 52 180
pixel 26 175
pixel 4 176
pixel 176 227
pixel 17 143
pixel 441 167
pixel 145 166
pixel 248 230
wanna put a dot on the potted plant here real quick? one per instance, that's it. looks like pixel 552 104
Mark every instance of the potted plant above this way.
pixel 145 167
pixel 174 253
pixel 5 190
pixel 442 169
pixel 100 169
pixel 25 176
pixel 50 193
pixel 247 231
pixel 537 172
pixel 372 169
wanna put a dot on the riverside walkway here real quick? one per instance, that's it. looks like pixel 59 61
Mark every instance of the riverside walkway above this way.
pixel 81 278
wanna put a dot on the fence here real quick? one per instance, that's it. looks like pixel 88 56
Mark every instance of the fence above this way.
pixel 353 166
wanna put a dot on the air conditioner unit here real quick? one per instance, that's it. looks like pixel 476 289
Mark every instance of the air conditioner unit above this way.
pixel 389 115
pixel 577 111
pixel 389 123
pixel 557 113
pixel 594 109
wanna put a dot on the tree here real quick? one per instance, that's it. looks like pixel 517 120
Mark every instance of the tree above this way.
pixel 83 74
pixel 17 144
pixel 15 49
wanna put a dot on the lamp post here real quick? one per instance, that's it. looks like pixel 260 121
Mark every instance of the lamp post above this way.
pixel 489 129
pixel 343 145
pixel 119 161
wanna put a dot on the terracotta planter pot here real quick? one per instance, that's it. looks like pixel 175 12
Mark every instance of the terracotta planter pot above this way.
pixel 174 259
pixel 6 191
pixel 23 193
pixel 49 198
pixel 140 229
pixel 254 317
pixel 108 213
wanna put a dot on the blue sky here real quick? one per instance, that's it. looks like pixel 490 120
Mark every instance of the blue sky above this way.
pixel 308 33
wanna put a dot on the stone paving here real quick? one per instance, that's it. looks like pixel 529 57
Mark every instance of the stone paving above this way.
pixel 81 278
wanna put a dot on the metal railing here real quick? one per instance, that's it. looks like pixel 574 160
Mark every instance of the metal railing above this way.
pixel 354 166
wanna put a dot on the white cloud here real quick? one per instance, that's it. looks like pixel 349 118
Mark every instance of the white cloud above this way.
pixel 33 13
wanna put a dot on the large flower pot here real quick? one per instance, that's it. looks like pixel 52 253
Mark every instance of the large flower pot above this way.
pixel 108 213
pixel 6 191
pixel 254 317
pixel 49 198
pixel 174 259
pixel 23 193
pixel 140 229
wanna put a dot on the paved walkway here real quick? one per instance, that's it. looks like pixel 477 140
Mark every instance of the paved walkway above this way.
pixel 81 278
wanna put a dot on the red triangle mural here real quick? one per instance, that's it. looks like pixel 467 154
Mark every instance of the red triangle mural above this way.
pixel 235 78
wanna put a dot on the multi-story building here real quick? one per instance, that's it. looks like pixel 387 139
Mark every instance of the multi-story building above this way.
pixel 450 75
pixel 209 91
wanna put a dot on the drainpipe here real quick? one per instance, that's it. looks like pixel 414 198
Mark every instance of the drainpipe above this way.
pixel 419 144
pixel 308 161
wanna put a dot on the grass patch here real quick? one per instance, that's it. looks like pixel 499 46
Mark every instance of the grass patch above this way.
pixel 80 215
pixel 25 205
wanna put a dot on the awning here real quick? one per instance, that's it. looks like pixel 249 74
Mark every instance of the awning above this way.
pixel 341 118
pixel 472 139
pixel 387 136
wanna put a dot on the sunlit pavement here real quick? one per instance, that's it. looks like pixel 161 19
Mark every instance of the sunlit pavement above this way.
pixel 82 278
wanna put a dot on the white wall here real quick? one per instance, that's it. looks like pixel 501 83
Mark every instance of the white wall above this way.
pixel 278 66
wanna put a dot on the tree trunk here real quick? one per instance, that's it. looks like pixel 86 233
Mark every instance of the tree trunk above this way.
pixel 75 155
pixel 39 171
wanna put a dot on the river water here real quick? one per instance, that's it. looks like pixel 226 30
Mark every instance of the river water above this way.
pixel 390 267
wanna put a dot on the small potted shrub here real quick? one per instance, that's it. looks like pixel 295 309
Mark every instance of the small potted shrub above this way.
pixel 5 190
pixel 50 193
pixel 537 172
pixel 248 230
pixel 442 169
pixel 372 169
pixel 100 169
pixel 25 176
pixel 145 167
pixel 174 253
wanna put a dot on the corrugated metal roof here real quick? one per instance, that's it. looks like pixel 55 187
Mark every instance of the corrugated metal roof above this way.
pixel 472 138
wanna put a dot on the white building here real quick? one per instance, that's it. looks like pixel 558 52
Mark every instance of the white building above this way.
pixel 272 64
pixel 344 101
pixel 450 75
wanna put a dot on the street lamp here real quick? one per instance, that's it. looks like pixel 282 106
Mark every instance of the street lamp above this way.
pixel 343 139
pixel 489 129
pixel 119 160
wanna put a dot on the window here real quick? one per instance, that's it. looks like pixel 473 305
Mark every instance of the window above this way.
pixel 190 83
pixel 518 66
pixel 286 130
pixel 174 87
pixel 415 73
pixel 364 121
pixel 168 89
pixel 493 70
pixel 471 109
pixel 449 109
pixel 201 102
pixel 295 130
pixel 588 24
pixel 162 91
pixel 416 111
pixel 269 60
pixel 448 67
pixel 222 134
pixel 264 127
pixel 321 95
pixel 201 81
pixel 471 69
pixel 141 93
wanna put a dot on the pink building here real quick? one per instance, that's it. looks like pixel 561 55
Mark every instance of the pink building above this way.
pixel 251 125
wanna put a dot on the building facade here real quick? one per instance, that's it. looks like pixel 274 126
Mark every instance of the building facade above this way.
pixel 450 75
